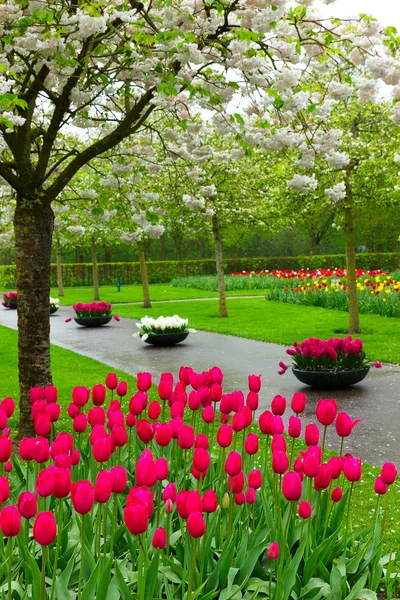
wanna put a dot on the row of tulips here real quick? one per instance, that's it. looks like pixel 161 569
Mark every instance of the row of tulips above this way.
pixel 183 496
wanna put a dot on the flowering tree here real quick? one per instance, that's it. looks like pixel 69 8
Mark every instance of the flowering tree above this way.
pixel 106 68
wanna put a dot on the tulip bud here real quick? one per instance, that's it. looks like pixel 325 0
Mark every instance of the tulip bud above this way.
pixel 251 444
pixel 42 425
pixel 186 437
pixel 99 392
pixel 102 488
pixel 254 479
pixel 388 473
pixel 312 435
pixel 209 501
pixel 239 498
pixel 143 381
pixel 27 504
pixel 196 525
pixel 265 422
pixel 154 410
pixel 80 423
pixel 233 464
pixel 122 389
pixel 224 436
pixel 5 448
pixel 337 494
pixel 159 538
pixel 251 496
pixel 136 518
pixel 298 403
pixel 144 431
pixel 294 429
pixel 305 509
pixel 278 405
pixel 326 411
pixel 80 395
pixel 44 528
pixel 292 487
pixel 208 414
pixel 169 506
pixel 82 496
pixel 280 462
pixel 112 381
pixel 10 521
pixel 252 400
pixel 50 393
pixel 225 501
pixel 380 487
pixel 273 551
pixel 161 468
pixel 254 383
pixel 352 469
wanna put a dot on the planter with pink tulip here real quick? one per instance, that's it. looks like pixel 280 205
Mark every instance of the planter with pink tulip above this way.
pixel 329 364
pixel 182 494
pixel 94 314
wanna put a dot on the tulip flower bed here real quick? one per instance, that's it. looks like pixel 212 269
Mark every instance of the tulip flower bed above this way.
pixel 10 299
pixel 185 497
pixel 377 295
pixel 94 309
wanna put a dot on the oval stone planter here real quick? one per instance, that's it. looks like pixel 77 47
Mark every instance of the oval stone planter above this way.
pixel 329 380
pixel 92 321
pixel 166 339
pixel 53 309
pixel 11 305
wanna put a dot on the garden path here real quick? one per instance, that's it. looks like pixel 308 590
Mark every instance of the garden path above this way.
pixel 376 400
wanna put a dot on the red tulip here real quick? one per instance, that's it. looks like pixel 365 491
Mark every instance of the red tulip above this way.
pixel 27 505
pixel 79 423
pixel 50 393
pixel 144 431
pixel 42 425
pixel 239 498
pixel 119 436
pixel 344 424
pixel 251 496
pixel 388 473
pixel 236 483
pixel 122 389
pixel 278 442
pixel 311 464
pixel 294 429
pixel 305 510
pixel 336 465
pixel 280 462
pixel 277 425
pixel 265 421
pixel 102 448
pixel 252 400
pixel 233 464
pixel 80 395
pixel 3 420
pixel 99 392
pixel 208 414
pixel 45 482
pixel 159 538
pixel 143 381
pixel 165 390
pixel 10 521
pixel 292 487
pixel 154 410
pixel 169 492
pixel 278 405
pixel 44 528
pixel 82 496
pixel 96 416
pixel 53 412
pixel 38 408
pixel 323 478
pixel 184 375
pixel 135 406
pixel 352 469
pixel 61 483
pixel 215 392
pixel 102 488
pixel 8 466
pixel 112 381
pixel 163 434
pixel 251 444
pixel 312 435
pixel 37 448
pixel 146 473
pixel 186 437
pixel 225 404
pixel 4 489
pixel 238 422
pixel 8 406
pixel 130 420
pixel 201 441
pixel 5 449
pixel 216 375
pixel 236 401
pixel 136 518
pixel 161 468
pixel 254 383
pixel 201 459
pixel 209 501
pixel 380 487
pixel 273 551
pixel 254 479
pixel 224 436
pixel 36 393
pixel 326 411
pixel 196 525
pixel 298 403
pixel 118 479
pixel 73 410
pixel 337 494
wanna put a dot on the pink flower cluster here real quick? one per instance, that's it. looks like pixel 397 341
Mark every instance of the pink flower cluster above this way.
pixel 9 298
pixel 94 309
pixel 335 354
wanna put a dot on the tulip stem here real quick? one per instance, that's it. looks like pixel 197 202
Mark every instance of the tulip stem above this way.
pixel 184 469
pixel 341 448
pixel 43 576
pixel 27 474
pixel 58 543
pixel 81 565
pixel 192 569
pixel 384 512
pixel 291 454
pixel 348 517
pixel 99 510
pixel 114 518
pixel 323 444
pixel 203 551
pixel 9 566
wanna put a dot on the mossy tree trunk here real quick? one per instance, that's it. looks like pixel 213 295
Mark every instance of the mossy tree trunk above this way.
pixel 107 253
pixel 143 274
pixel 163 247
pixel 354 319
pixel 33 227
pixel 59 268
pixel 95 270
pixel 223 309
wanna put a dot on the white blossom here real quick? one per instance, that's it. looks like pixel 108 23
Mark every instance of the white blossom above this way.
pixel 302 183
pixel 336 192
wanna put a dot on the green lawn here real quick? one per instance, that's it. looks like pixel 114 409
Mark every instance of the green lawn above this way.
pixel 134 293
pixel 69 370
pixel 257 319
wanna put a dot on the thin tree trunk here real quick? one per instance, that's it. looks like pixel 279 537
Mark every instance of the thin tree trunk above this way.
pixel 143 274
pixel 107 253
pixel 95 271
pixel 354 319
pixel 77 254
pixel 59 268
pixel 163 247
pixel 33 226
pixel 223 309
pixel 202 248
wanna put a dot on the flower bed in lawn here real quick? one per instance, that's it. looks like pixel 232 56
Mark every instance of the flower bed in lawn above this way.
pixel 184 496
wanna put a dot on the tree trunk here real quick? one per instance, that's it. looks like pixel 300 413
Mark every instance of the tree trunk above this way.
pixel 77 254
pixel 354 319
pixel 202 248
pixel 163 247
pixel 107 253
pixel 95 271
pixel 59 268
pixel 223 309
pixel 143 274
pixel 33 226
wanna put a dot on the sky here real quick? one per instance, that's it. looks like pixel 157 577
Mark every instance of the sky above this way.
pixel 386 11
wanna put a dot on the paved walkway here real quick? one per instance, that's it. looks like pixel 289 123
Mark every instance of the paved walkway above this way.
pixel 376 400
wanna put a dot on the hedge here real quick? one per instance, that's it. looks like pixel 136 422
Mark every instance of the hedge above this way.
pixel 164 271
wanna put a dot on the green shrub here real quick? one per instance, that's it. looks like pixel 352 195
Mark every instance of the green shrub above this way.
pixel 164 271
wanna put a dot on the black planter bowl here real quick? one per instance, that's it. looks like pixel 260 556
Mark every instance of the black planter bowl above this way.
pixel 166 339
pixel 329 380
pixel 53 309
pixel 11 305
pixel 92 321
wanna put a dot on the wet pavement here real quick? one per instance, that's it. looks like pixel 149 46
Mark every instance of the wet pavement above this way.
pixel 376 400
